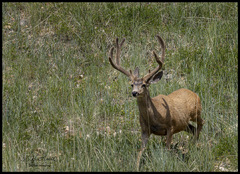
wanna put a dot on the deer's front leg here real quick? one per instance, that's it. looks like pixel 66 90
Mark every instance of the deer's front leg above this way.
pixel 145 136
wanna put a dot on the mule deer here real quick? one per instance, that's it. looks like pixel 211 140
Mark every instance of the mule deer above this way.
pixel 161 115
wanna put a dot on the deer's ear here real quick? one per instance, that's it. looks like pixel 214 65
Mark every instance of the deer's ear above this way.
pixel 156 77
pixel 136 72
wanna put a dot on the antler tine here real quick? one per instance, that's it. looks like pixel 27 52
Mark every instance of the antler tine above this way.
pixel 119 50
pixel 160 62
pixel 160 40
pixel 117 65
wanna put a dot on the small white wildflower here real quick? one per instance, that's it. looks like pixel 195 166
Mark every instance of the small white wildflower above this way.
pixel 107 87
pixel 34 112
pixel 108 129
pixel 66 128
pixel 98 133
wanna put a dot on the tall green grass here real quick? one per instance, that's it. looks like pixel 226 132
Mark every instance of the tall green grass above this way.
pixel 64 108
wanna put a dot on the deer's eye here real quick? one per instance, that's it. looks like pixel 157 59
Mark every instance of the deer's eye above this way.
pixel 131 85
pixel 143 86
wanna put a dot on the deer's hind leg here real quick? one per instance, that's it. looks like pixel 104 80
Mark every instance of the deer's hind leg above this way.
pixel 191 129
pixel 200 123
pixel 197 118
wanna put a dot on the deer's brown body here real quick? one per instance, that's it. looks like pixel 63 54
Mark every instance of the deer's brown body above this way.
pixel 173 111
pixel 162 115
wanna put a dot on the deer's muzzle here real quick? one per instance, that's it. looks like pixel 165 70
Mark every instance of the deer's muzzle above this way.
pixel 135 94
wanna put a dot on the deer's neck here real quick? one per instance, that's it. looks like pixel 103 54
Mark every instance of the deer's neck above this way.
pixel 145 105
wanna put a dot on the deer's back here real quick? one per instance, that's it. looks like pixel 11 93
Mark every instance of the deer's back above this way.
pixel 186 99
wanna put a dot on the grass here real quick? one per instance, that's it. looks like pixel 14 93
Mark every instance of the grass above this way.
pixel 64 108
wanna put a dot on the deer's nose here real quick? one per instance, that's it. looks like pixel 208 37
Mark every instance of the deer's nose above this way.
pixel 134 93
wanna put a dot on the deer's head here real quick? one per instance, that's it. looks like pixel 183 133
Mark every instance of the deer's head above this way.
pixel 138 84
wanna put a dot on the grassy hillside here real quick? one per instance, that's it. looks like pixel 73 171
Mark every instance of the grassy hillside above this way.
pixel 64 108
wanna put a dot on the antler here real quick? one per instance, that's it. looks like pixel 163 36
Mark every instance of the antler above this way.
pixel 160 62
pixel 117 65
